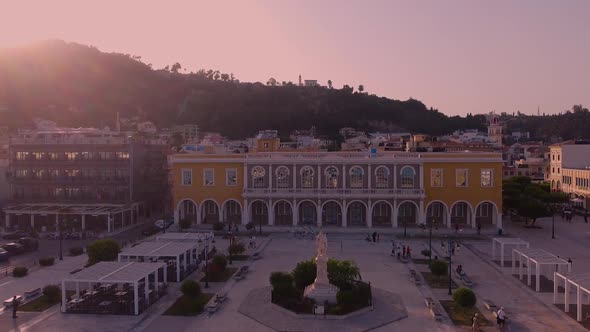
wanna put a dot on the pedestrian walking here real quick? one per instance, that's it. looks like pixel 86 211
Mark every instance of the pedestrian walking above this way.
pixel 409 252
pixel 501 318
pixel 374 237
pixel 392 248
pixel 475 323
pixel 378 237
pixel 14 307
pixel 569 260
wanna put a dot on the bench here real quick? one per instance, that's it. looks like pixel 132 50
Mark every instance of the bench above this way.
pixel 75 271
pixel 211 308
pixel 220 297
pixel 239 275
pixel 33 293
pixel 429 302
pixel 467 281
pixel 435 312
pixel 8 301
pixel 256 256
pixel 490 305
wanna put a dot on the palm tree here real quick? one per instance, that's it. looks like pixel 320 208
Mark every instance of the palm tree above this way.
pixel 361 88
pixel 330 84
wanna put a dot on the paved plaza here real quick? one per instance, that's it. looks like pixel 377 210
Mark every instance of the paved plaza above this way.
pixel 526 309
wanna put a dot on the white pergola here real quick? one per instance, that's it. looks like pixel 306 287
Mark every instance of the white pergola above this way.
pixel 506 241
pixel 580 281
pixel 539 257
pixel 184 237
pixel 184 252
pixel 116 273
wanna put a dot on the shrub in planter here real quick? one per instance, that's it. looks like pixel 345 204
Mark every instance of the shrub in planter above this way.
pixel 191 288
pixel 76 251
pixel 345 298
pixel 52 293
pixel 340 273
pixel 438 268
pixel 20 271
pixel 218 226
pixel 278 279
pixel 464 297
pixel 304 273
pixel 219 262
pixel 103 250
pixel 46 261
pixel 425 252
pixel 236 248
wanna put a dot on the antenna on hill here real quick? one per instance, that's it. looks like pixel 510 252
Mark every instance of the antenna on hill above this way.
pixel 538 110
pixel 300 84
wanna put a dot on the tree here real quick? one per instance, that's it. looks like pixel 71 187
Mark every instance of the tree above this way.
pixel 225 77
pixel 341 273
pixel 175 68
pixel 103 250
pixel 216 75
pixel 330 84
pixel 361 88
pixel 232 77
pixel 346 88
pixel 304 273
pixel 272 82
pixel 190 288
pixel 185 222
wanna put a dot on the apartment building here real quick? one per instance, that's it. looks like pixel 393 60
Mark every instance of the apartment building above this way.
pixel 87 178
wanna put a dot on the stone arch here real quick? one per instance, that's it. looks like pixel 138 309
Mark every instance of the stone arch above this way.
pixel 283 212
pixel 553 185
pixel 187 208
pixel 461 213
pixel 209 211
pixel 356 213
pixel 407 213
pixel 307 212
pixel 486 213
pixel 258 212
pixel 381 213
pixel 437 211
pixel 558 185
pixel 332 213
pixel 232 212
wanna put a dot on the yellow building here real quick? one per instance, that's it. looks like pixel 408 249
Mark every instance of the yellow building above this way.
pixel 358 189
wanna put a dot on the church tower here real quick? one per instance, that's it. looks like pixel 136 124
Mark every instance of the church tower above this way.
pixel 494 129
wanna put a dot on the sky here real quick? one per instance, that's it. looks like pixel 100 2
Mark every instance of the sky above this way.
pixel 458 56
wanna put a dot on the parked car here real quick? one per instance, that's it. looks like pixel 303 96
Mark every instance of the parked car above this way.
pixel 162 224
pixel 16 235
pixel 29 243
pixel 13 248
pixel 4 255
pixel 151 231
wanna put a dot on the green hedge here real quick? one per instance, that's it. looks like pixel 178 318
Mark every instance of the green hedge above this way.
pixel 439 268
pixel 464 297
pixel 103 250
pixel 76 251
pixel 191 288
pixel 20 271
pixel 46 261
pixel 52 293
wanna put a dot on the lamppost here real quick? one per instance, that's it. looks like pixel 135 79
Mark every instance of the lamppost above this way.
pixel 61 237
pixel 450 263
pixel 231 237
pixel 207 263
pixel 430 241
pixel 553 222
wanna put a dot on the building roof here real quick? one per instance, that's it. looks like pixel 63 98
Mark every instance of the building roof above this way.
pixel 159 249
pixel 510 240
pixel 115 272
pixel 184 236
pixel 56 208
pixel 541 256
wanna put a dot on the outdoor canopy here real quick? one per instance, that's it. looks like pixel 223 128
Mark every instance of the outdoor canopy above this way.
pixel 539 257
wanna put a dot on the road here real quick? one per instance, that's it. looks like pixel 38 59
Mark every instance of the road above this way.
pixel 48 247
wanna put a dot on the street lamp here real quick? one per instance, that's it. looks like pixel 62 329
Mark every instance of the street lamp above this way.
pixel 61 237
pixel 430 241
pixel 231 237
pixel 207 263
pixel 450 263
pixel 553 222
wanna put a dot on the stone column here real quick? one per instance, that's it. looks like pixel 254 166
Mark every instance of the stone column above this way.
pixel 295 213
pixel 83 222
pixel 421 177
pixel 318 212
pixel 369 215
pixel 32 221
pixel 271 213
pixel 394 176
pixel 394 222
pixel 7 220
pixel 344 213
pixel 369 177
pixel 245 213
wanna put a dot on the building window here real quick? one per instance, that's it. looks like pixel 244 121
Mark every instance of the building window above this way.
pixel 187 177
pixel 356 177
pixel 436 177
pixel 231 177
pixel 331 174
pixel 408 173
pixel 552 156
pixel 552 169
pixel 266 145
pixel 21 155
pixel 558 157
pixel 557 170
pixel 382 177
pixel 258 177
pixel 307 177
pixel 123 155
pixel 208 177
pixel 487 178
pixel 461 176
pixel 282 177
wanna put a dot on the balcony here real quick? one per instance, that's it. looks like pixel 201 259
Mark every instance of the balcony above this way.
pixel 332 193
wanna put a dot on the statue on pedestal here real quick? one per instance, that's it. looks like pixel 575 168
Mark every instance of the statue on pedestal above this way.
pixel 321 290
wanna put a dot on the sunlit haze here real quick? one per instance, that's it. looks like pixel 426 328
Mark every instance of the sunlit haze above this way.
pixel 458 56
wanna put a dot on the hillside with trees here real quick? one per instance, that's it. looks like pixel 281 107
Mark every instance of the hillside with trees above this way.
pixel 78 85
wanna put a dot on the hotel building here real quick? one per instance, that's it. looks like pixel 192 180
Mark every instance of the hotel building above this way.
pixel 570 170
pixel 338 189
